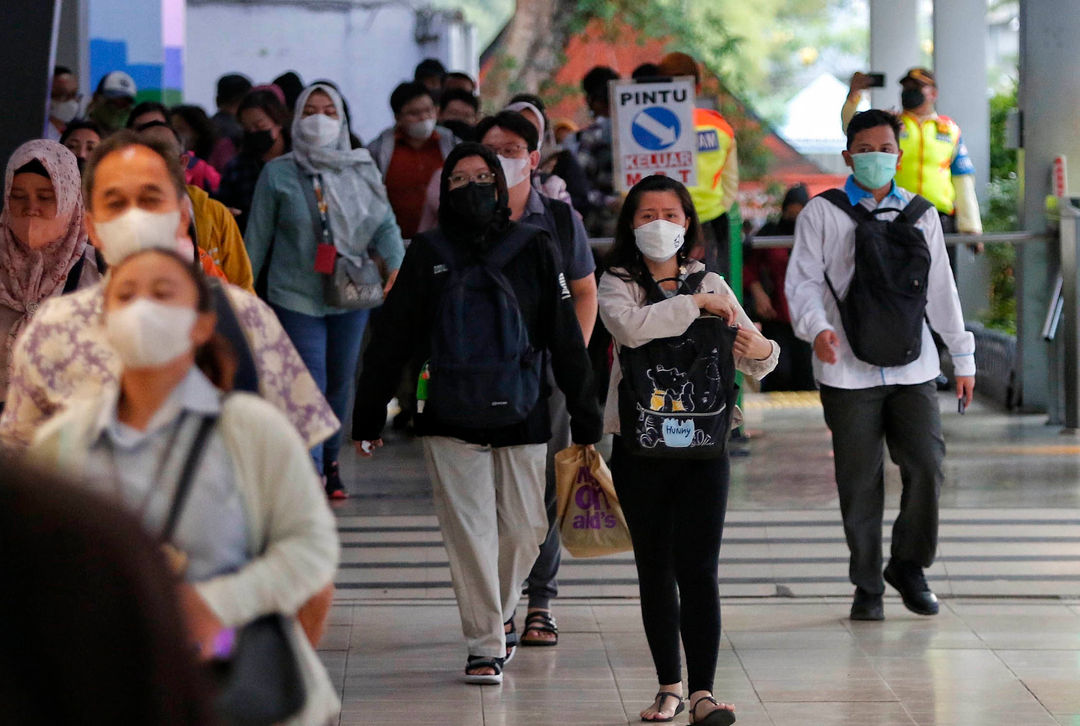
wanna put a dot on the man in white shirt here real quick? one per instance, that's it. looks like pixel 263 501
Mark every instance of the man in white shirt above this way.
pixel 866 405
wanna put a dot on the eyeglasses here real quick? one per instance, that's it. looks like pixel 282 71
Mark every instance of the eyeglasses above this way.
pixel 483 178
pixel 508 151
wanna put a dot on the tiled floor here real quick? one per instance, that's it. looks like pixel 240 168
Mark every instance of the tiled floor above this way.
pixel 1005 648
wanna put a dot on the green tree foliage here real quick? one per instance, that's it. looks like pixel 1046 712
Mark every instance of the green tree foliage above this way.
pixel 1002 217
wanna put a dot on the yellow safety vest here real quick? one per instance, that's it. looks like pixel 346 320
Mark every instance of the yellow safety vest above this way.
pixel 715 138
pixel 926 166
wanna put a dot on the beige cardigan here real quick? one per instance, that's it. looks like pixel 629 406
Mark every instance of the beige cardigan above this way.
pixel 289 523
pixel 633 323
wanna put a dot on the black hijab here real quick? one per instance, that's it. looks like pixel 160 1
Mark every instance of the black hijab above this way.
pixel 463 230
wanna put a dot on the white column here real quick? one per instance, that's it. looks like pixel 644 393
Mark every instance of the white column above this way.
pixel 960 70
pixel 894 46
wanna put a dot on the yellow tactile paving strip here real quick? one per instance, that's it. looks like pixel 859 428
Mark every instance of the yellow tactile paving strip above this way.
pixel 781 400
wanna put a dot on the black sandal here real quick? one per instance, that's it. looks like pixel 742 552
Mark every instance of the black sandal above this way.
pixel 540 621
pixel 662 696
pixel 484 679
pixel 720 717
pixel 512 641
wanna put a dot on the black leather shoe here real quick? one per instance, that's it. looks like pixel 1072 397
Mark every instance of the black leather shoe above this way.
pixel 909 580
pixel 867 606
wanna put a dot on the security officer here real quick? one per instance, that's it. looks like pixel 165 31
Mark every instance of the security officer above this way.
pixel 935 161
pixel 717 169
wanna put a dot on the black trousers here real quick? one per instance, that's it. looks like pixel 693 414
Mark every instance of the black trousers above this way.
pixel 908 420
pixel 675 512
pixel 794 371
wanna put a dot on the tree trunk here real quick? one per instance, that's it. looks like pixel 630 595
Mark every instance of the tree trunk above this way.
pixel 529 49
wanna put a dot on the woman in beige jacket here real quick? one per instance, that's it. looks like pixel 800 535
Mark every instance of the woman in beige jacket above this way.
pixel 674 507
pixel 254 535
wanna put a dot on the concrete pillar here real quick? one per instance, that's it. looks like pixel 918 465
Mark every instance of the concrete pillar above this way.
pixel 894 46
pixel 960 71
pixel 73 41
pixel 1049 97
pixel 27 53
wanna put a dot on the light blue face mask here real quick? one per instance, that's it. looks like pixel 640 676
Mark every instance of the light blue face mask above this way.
pixel 874 169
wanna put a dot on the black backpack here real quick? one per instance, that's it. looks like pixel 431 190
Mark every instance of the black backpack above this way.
pixel 484 371
pixel 677 394
pixel 885 305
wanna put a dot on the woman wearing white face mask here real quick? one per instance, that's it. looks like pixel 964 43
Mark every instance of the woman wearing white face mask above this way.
pixel 294 247
pixel 43 249
pixel 252 535
pixel 674 506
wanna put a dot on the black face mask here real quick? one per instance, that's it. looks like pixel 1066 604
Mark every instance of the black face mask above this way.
pixel 474 204
pixel 258 143
pixel 912 98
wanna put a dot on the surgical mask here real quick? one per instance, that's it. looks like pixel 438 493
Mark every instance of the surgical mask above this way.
pixel 135 230
pixel 912 98
pixel 38 232
pixel 420 129
pixel 320 130
pixel 65 111
pixel 258 143
pixel 660 239
pixel 515 170
pixel 149 334
pixel 874 169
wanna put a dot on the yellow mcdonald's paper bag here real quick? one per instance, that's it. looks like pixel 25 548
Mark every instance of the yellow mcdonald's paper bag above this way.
pixel 590 521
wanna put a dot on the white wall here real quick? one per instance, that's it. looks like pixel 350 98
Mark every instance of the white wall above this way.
pixel 366 51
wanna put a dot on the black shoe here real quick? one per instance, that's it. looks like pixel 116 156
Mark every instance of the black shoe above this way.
pixel 334 487
pixel 867 606
pixel 909 580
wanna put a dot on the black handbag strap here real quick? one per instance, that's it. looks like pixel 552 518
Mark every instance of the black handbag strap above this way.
pixel 187 475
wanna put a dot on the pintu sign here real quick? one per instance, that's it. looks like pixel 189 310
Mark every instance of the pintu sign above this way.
pixel 653 130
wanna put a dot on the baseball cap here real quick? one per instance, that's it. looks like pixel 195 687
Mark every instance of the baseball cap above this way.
pixel 117 84
pixel 920 75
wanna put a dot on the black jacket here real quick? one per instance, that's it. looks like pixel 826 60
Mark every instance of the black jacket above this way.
pixel 402 333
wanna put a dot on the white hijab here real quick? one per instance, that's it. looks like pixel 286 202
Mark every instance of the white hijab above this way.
pixel 352 186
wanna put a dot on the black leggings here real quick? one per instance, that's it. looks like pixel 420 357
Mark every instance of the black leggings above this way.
pixel 675 512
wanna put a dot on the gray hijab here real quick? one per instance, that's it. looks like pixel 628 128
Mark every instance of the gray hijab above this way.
pixel 352 186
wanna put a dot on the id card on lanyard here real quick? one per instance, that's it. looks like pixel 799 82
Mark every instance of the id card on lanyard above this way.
pixel 325 253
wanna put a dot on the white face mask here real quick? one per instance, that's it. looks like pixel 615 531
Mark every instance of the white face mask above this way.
pixel 320 130
pixel 515 170
pixel 65 111
pixel 660 239
pixel 135 230
pixel 148 334
pixel 420 129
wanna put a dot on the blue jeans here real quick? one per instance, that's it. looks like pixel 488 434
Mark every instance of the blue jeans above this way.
pixel 330 348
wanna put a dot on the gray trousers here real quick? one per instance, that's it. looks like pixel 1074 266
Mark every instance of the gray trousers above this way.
pixel 542 587
pixel 908 420
pixel 491 512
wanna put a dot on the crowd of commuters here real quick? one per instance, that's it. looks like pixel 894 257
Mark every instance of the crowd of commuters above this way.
pixel 185 301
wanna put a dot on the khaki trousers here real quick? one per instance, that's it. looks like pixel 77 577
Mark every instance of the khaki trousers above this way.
pixel 490 505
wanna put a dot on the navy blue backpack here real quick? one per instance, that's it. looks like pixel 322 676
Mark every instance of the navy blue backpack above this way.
pixel 484 370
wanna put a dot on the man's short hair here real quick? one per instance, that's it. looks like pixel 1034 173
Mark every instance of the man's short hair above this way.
pixel 231 88
pixel 124 139
pixel 429 68
pixel 595 82
pixel 513 122
pixel 62 71
pixel 458 94
pixel 871 119
pixel 461 76
pixel 406 92
pixel 646 70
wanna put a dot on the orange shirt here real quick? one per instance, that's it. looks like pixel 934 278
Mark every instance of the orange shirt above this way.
pixel 407 178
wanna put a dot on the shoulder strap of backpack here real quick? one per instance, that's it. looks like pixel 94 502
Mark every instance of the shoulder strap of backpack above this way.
pixel 693 282
pixel 563 216
pixel 916 208
pixel 520 235
pixel 839 198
